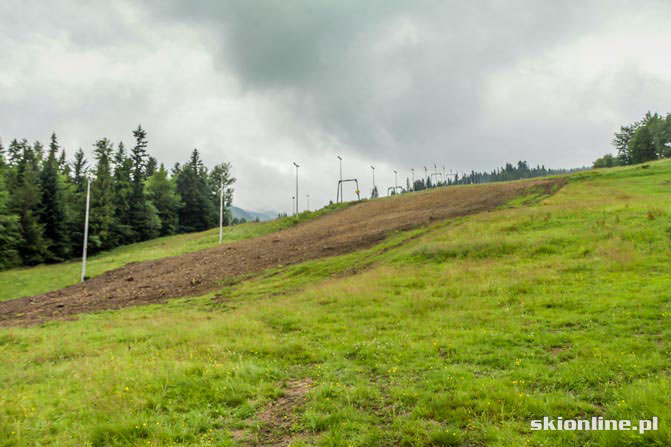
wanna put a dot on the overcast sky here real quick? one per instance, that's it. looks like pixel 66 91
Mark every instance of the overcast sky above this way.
pixel 396 84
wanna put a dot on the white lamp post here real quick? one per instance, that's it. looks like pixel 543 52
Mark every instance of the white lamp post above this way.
pixel 295 164
pixel 373 169
pixel 340 184
pixel 221 210
pixel 89 177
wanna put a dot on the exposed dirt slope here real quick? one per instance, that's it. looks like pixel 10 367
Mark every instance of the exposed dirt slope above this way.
pixel 358 226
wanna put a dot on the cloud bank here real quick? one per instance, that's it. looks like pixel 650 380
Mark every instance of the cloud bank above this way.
pixel 468 85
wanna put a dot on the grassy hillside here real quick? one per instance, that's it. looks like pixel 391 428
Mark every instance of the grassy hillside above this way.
pixel 454 335
pixel 28 281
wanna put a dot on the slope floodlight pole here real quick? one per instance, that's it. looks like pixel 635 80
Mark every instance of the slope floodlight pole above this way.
pixel 86 224
pixel 373 169
pixel 426 183
pixel 395 180
pixel 340 185
pixel 444 177
pixel 297 166
pixel 221 210
pixel 413 178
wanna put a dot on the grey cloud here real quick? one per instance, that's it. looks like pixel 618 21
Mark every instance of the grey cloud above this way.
pixel 388 79
pixel 394 83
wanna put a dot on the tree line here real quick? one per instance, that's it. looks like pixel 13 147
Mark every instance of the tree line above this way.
pixel 133 198
pixel 644 140
pixel 521 170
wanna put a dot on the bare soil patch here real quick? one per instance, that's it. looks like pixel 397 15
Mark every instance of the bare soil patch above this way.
pixel 359 226
pixel 278 419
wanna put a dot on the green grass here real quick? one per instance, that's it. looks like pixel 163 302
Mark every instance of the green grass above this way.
pixel 453 335
pixel 28 281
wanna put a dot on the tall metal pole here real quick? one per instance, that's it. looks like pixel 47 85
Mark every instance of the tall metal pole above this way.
pixel 340 184
pixel 86 228
pixel 426 182
pixel 413 178
pixel 373 169
pixel 444 176
pixel 221 210
pixel 295 164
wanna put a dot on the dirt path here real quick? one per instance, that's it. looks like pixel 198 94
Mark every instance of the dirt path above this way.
pixel 358 226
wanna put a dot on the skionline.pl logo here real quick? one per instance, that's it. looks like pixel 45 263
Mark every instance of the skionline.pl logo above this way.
pixel 596 423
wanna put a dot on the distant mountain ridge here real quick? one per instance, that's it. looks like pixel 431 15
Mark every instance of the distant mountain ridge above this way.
pixel 252 215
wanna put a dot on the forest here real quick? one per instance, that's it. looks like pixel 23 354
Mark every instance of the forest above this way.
pixel 510 171
pixel 133 198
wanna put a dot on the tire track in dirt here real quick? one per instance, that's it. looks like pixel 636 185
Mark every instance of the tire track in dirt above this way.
pixel 358 226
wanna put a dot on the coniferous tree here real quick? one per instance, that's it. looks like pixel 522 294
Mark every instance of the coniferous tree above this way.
pixel 102 228
pixel 10 235
pixel 152 164
pixel 196 212
pixel 14 152
pixel 77 200
pixel 123 196
pixel 162 194
pixel 2 158
pixel 63 165
pixel 79 169
pixel 53 214
pixel 25 202
pixel 38 150
pixel 143 217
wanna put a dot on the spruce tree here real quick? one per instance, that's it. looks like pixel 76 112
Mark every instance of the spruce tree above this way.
pixel 102 229
pixel 79 169
pixel 2 158
pixel 150 168
pixel 38 150
pixel 14 152
pixel 77 200
pixel 53 207
pixel 142 216
pixel 196 212
pixel 25 202
pixel 123 191
pixel 10 234
pixel 162 194
pixel 63 165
